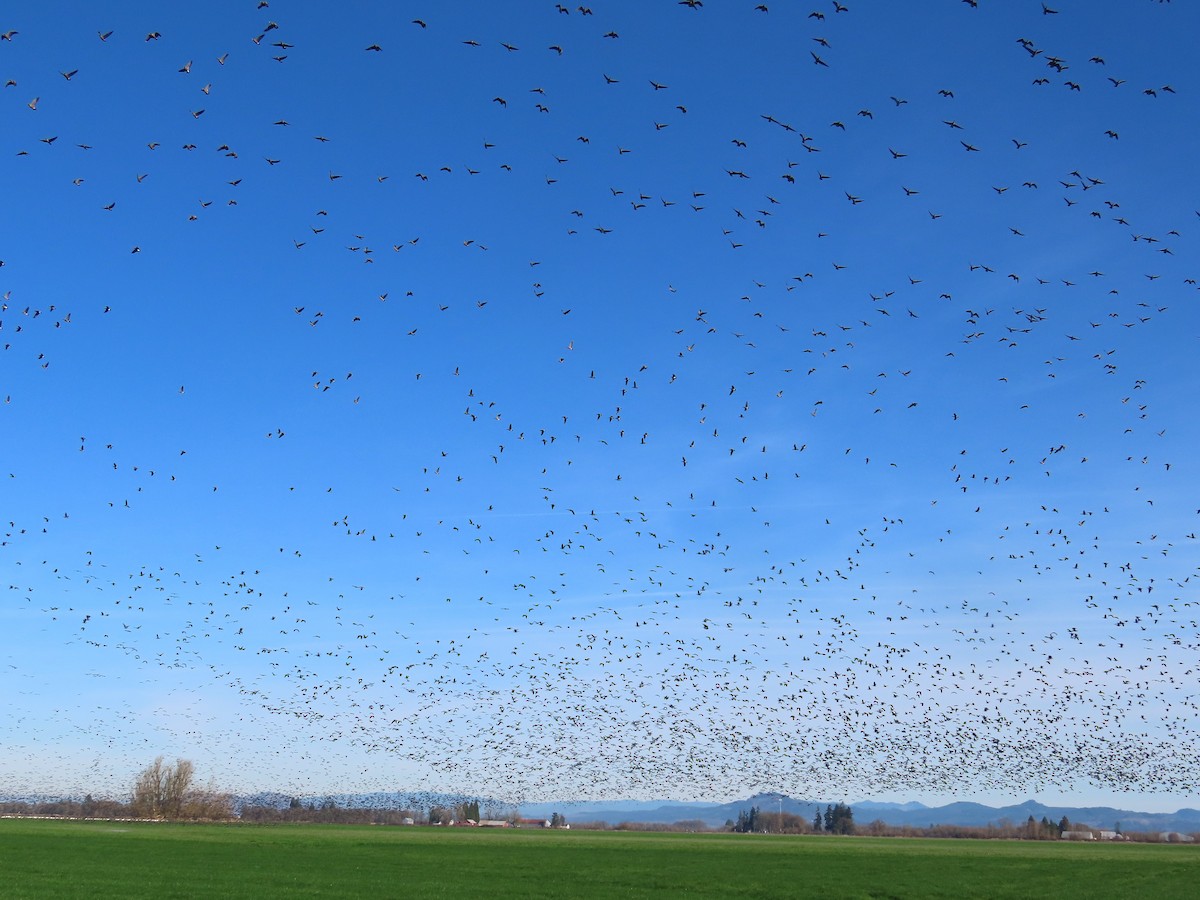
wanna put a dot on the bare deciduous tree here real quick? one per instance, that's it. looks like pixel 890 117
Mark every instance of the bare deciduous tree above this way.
pixel 161 790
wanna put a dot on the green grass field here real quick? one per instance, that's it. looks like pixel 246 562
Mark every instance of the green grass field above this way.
pixel 119 859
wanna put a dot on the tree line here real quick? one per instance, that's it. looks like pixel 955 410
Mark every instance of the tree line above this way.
pixel 838 818
pixel 168 792
pixel 161 791
pixel 165 791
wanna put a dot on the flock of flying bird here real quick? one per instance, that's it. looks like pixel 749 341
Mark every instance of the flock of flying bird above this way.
pixel 518 408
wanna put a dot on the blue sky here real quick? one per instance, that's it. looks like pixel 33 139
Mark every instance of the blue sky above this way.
pixel 654 402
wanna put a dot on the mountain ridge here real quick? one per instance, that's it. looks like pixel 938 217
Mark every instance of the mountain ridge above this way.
pixel 962 813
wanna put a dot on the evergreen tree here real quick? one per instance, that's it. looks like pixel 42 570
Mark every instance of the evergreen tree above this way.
pixel 839 819
pixel 817 821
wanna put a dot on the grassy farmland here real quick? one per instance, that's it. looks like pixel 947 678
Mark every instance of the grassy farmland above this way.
pixel 109 859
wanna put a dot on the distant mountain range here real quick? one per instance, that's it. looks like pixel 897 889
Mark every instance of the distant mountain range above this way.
pixel 715 815
pixel 916 814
